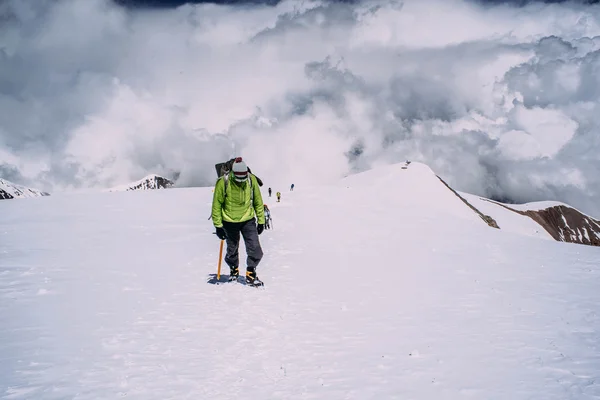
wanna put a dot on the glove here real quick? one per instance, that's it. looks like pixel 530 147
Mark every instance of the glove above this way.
pixel 221 234
pixel 260 228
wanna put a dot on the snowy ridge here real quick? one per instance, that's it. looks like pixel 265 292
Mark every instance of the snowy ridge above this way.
pixel 150 182
pixel 546 220
pixel 535 205
pixel 412 187
pixel 9 190
pixel 383 286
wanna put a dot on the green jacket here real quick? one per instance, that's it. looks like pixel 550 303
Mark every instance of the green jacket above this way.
pixel 236 207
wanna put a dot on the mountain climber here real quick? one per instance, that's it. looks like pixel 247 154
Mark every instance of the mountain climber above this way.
pixel 269 192
pixel 236 202
pixel 278 197
pixel 292 188
pixel 267 217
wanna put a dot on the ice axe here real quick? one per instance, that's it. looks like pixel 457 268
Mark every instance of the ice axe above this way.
pixel 220 259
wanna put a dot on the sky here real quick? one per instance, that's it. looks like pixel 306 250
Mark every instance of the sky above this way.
pixel 500 99
pixel 176 3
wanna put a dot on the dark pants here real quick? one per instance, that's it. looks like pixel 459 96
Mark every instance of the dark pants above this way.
pixel 250 235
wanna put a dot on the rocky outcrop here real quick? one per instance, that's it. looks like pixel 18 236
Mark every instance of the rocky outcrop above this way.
pixel 4 195
pixel 564 223
pixel 9 190
pixel 486 218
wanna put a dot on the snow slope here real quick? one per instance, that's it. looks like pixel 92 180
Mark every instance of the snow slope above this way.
pixel 380 287
pixel 9 190
pixel 508 220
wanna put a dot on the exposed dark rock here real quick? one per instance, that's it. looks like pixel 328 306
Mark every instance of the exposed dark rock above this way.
pixel 486 218
pixel 4 195
pixel 565 224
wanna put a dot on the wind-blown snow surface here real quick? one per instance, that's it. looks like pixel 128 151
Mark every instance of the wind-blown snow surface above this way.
pixel 383 286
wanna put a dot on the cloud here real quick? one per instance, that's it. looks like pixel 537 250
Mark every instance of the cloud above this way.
pixel 500 100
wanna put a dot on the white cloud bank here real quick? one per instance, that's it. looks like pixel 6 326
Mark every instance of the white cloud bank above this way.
pixel 501 101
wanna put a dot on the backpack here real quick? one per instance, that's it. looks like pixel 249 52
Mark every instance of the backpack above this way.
pixel 225 167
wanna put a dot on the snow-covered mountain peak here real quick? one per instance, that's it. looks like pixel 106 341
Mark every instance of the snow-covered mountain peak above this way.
pixel 415 186
pixel 10 190
pixel 149 182
pixel 410 187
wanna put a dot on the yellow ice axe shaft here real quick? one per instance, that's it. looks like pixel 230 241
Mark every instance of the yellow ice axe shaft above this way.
pixel 220 258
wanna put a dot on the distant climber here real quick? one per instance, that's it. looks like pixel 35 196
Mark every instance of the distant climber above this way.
pixel 236 202
pixel 269 192
pixel 267 217
pixel 292 188
pixel 278 197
